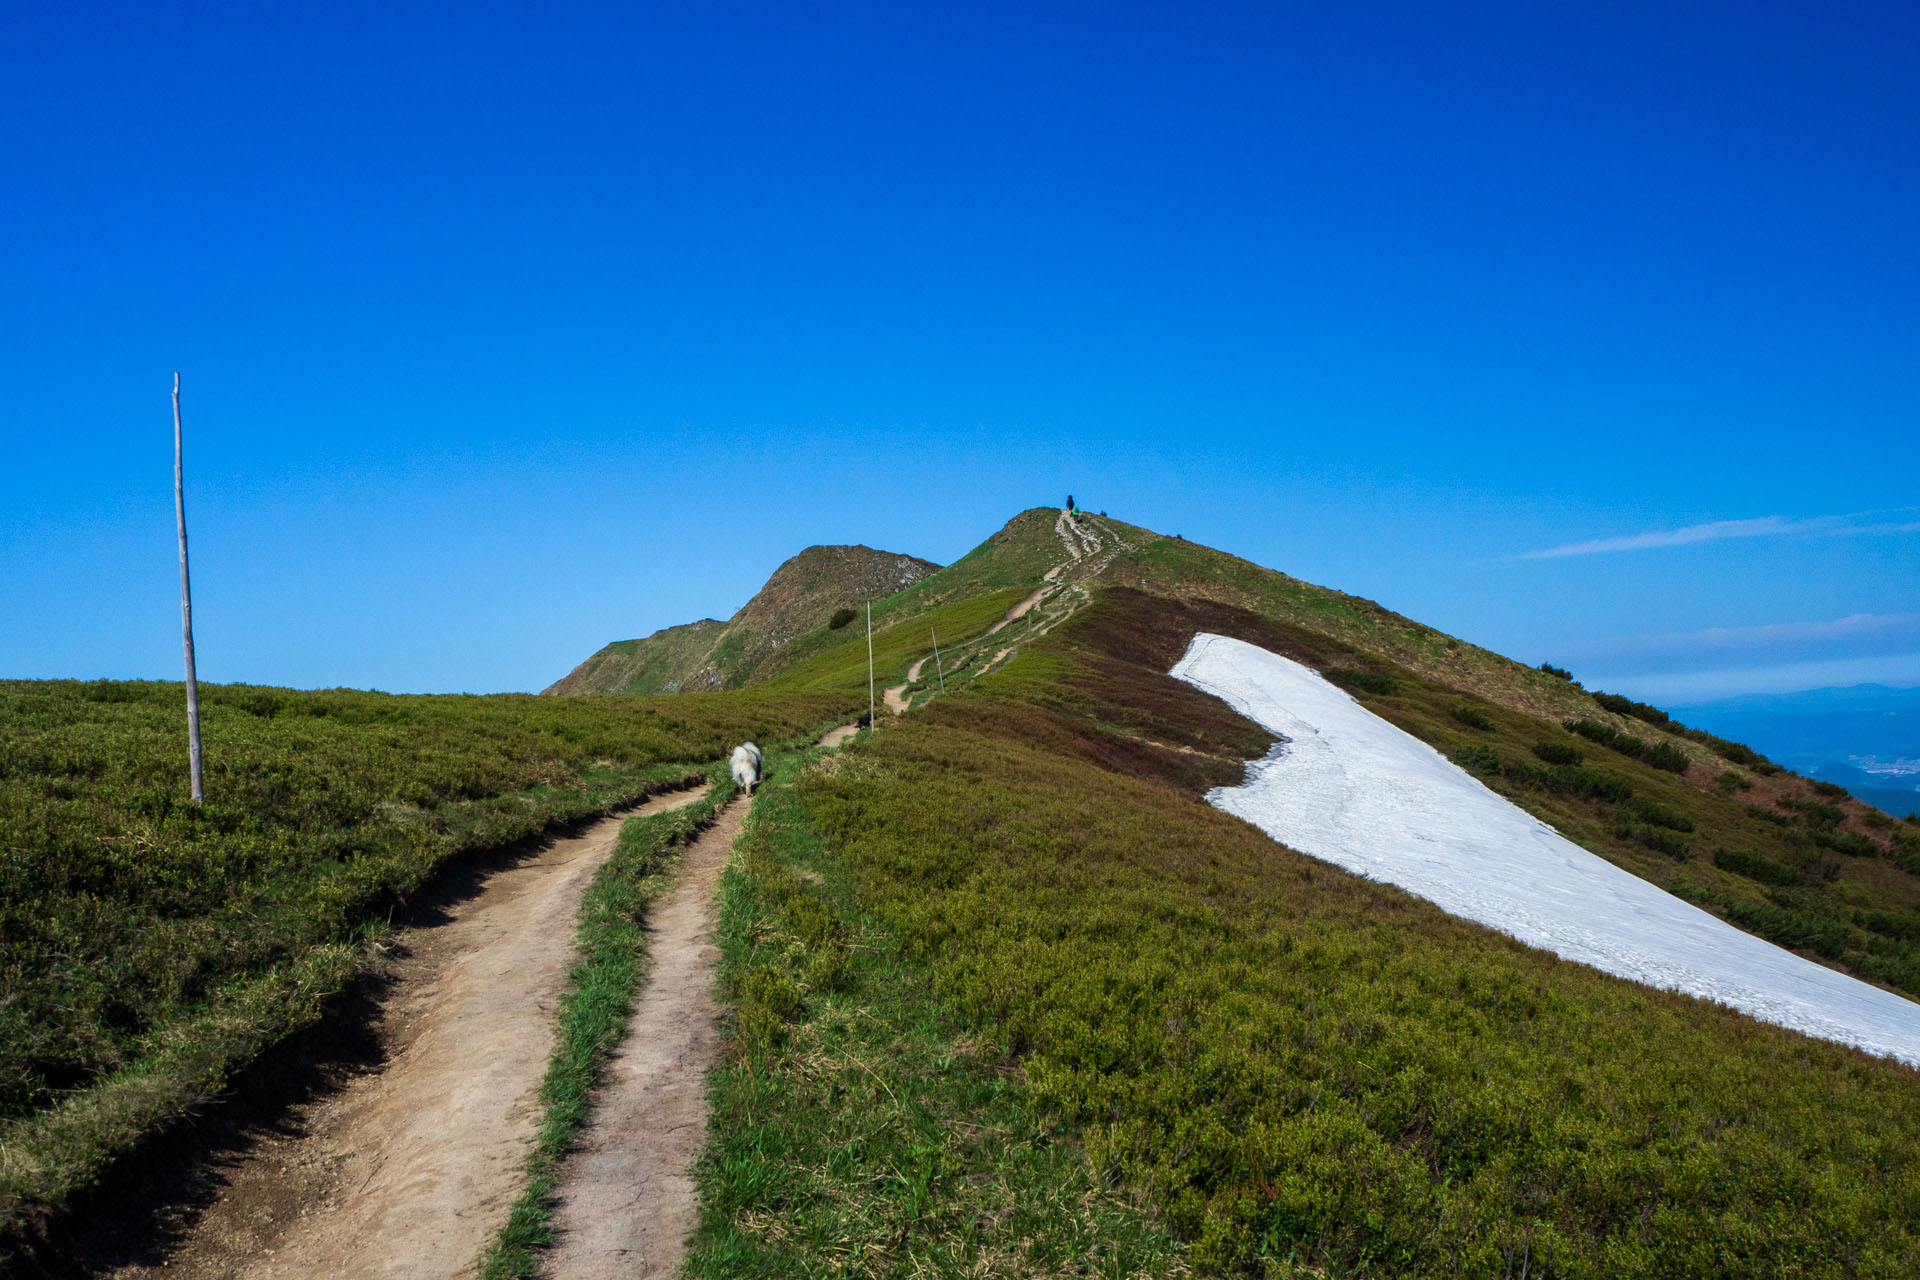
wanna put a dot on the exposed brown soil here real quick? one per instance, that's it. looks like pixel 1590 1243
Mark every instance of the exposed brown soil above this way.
pixel 627 1200
pixel 408 1167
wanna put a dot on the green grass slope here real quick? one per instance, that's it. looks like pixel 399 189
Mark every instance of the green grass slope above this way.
pixel 1296 1071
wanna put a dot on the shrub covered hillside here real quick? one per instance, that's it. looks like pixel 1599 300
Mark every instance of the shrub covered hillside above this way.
pixel 152 944
pixel 1303 1072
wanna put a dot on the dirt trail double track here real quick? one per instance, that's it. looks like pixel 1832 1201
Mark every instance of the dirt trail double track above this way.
pixel 408 1170
pixel 627 1200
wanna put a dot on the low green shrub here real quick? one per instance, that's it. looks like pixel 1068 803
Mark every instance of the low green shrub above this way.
pixel 1571 780
pixel 1628 707
pixel 1902 925
pixel 1652 811
pixel 1664 755
pixel 1851 843
pixel 1800 930
pixel 1472 717
pixel 841 617
pixel 1365 681
pixel 1730 781
pixel 1831 790
pixel 1560 672
pixel 1735 752
pixel 1480 761
pixel 769 1000
pixel 1557 753
pixel 1816 814
pixel 1661 755
pixel 1608 736
pixel 1745 862
pixel 1654 838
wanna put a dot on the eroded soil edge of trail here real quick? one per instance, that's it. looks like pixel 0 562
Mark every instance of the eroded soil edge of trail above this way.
pixel 407 1170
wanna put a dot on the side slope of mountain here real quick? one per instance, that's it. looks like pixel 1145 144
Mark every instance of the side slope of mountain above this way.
pixel 800 597
pixel 1299 1070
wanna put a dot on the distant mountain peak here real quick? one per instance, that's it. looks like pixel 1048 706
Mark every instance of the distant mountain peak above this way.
pixel 800 596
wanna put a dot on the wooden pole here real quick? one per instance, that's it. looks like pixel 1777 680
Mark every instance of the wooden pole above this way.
pixel 186 602
pixel 870 720
pixel 938 665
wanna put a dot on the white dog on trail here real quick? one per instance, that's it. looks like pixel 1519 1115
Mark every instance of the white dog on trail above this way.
pixel 746 766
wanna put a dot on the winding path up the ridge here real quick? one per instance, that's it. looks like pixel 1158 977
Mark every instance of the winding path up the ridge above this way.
pixel 1088 554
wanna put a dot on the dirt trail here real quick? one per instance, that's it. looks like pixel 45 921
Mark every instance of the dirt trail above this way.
pixel 895 696
pixel 835 736
pixel 407 1171
pixel 1019 610
pixel 627 1201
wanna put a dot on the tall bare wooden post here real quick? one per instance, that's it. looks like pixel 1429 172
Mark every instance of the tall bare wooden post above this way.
pixel 938 665
pixel 186 601
pixel 870 719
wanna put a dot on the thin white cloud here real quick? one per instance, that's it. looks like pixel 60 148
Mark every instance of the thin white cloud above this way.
pixel 1760 527
pixel 1675 690
pixel 1870 629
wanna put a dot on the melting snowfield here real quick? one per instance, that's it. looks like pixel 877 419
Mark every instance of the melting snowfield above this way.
pixel 1348 787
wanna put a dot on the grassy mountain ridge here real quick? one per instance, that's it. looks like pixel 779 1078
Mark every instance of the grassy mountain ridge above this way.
pixel 1772 853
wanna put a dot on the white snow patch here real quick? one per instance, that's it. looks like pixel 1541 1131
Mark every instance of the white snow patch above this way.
pixel 1347 787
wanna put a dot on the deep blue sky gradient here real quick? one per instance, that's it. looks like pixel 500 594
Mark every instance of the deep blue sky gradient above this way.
pixel 509 330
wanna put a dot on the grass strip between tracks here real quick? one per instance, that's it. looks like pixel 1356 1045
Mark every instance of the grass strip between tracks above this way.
pixel 593 1015
pixel 856 1130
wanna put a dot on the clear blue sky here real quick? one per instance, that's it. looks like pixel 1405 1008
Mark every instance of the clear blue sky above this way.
pixel 508 330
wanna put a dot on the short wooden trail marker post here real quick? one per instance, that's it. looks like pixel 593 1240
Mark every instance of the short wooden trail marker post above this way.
pixel 870 720
pixel 186 601
pixel 938 665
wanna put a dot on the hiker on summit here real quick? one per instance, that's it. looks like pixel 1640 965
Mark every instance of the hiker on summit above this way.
pixel 1070 510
